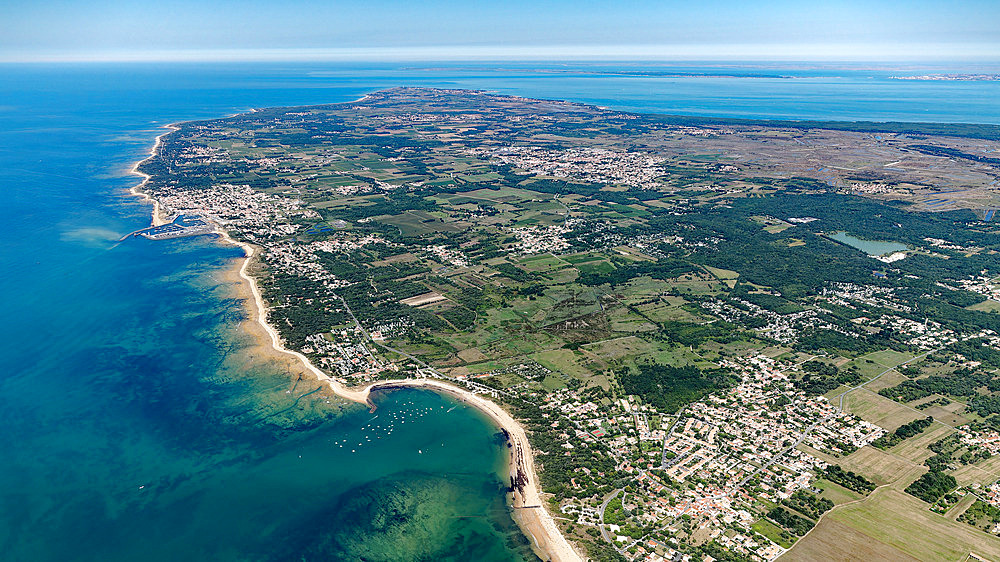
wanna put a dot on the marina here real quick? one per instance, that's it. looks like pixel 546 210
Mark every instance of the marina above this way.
pixel 182 226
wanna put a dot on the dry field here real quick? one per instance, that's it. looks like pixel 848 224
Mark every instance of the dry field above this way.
pixel 879 410
pixel 891 525
pixel 881 467
pixel 915 448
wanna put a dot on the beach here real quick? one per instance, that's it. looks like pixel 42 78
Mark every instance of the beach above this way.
pixel 157 214
pixel 529 510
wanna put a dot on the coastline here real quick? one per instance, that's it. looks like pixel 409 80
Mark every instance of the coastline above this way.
pixel 136 190
pixel 529 510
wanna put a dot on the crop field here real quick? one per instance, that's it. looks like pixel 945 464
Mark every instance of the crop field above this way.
pixel 773 532
pixel 416 223
pixel 833 540
pixel 890 379
pixel 644 288
pixel 988 305
pixel 619 348
pixel 665 311
pixel 959 508
pixel 915 448
pixel 949 414
pixel 835 492
pixel 983 473
pixel 878 409
pixel 541 263
pixel 903 522
pixel 564 361
pixel 881 467
pixel 622 320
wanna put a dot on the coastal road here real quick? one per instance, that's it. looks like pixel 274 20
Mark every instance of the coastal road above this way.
pixel 604 505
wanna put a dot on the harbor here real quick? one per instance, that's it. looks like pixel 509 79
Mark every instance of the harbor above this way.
pixel 180 227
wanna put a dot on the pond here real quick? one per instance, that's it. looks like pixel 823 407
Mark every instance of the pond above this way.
pixel 870 247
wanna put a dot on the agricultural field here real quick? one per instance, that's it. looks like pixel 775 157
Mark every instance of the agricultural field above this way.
pixel 890 519
pixel 652 297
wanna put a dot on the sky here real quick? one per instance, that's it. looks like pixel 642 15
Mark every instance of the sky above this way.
pixel 61 30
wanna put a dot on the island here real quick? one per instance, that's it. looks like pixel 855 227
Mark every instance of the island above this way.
pixel 702 339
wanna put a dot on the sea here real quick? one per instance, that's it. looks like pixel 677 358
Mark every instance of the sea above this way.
pixel 141 422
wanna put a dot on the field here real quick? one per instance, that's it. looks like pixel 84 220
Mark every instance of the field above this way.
pixel 948 414
pixel 983 473
pixel 892 378
pixel 891 525
pixel 835 492
pixel 915 448
pixel 881 467
pixel 773 532
pixel 878 409
pixel 519 243
pixel 832 540
pixel 988 305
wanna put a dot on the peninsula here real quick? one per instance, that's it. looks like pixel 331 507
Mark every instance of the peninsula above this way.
pixel 686 329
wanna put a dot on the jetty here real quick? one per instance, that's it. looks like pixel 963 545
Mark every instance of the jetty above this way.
pixel 180 227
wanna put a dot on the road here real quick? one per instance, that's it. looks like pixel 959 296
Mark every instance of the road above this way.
pixel 471 384
pixel 604 505
pixel 840 408
pixel 840 404
pixel 670 431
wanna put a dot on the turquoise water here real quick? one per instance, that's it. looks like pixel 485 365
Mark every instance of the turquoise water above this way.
pixel 870 247
pixel 140 423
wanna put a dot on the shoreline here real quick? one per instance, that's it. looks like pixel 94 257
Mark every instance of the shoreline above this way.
pixel 136 190
pixel 528 509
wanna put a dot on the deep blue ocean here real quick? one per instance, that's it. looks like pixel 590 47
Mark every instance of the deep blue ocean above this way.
pixel 140 423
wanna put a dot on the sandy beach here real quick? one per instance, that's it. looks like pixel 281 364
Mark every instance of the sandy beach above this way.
pixel 529 509
pixel 530 512
pixel 158 218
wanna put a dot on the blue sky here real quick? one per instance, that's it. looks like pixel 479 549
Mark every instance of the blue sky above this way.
pixel 442 29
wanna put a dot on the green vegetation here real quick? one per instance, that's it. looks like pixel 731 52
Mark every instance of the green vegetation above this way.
pixel 931 486
pixel 426 215
pixel 962 382
pixel 773 532
pixel 808 504
pixel 848 479
pixel 793 523
pixel 904 431
pixel 981 514
pixel 950 451
pixel 670 388
pixel 821 378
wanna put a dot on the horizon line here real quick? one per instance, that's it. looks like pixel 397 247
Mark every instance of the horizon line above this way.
pixel 784 52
